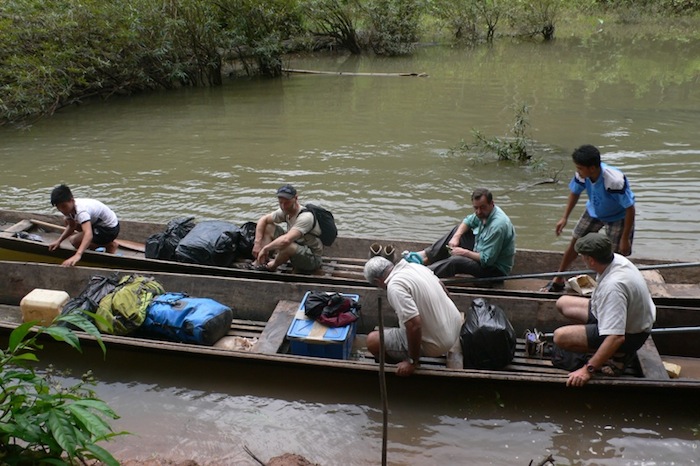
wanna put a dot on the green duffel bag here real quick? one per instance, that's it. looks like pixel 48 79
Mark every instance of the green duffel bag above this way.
pixel 124 309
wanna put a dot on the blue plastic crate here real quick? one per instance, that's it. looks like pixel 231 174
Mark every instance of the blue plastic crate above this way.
pixel 310 338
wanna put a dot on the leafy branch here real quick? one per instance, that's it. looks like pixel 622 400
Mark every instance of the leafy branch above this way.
pixel 40 422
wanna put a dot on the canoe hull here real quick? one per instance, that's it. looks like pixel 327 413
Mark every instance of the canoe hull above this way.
pixel 256 299
pixel 342 264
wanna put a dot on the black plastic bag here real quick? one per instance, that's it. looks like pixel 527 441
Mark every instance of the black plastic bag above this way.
pixel 162 245
pixel 97 288
pixel 567 360
pixel 209 243
pixel 246 240
pixel 488 338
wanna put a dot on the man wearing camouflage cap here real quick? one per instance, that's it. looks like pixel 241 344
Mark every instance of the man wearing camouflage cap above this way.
pixel 618 317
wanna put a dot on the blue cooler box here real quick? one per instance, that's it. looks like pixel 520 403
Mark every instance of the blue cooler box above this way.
pixel 310 338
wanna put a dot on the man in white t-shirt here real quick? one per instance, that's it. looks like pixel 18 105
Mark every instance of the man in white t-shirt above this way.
pixel 617 318
pixel 429 321
pixel 97 225
pixel 300 244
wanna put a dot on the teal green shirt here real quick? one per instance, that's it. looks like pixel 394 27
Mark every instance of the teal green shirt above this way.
pixel 495 240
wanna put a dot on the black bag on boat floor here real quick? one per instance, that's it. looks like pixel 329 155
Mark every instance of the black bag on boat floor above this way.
pixel 488 338
pixel 162 245
pixel 246 240
pixel 89 299
pixel 210 243
pixel 178 317
pixel 567 360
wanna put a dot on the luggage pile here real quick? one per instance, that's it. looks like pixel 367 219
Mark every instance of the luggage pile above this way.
pixel 140 306
pixel 211 242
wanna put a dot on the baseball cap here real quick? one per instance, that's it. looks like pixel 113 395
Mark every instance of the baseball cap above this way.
pixel 287 191
pixel 596 245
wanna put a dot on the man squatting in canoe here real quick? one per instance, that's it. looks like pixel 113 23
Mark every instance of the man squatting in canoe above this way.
pixel 97 224
pixel 300 244
pixel 482 245
pixel 610 204
pixel 429 322
pixel 618 317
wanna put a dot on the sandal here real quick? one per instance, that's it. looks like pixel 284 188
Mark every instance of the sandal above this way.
pixel 553 287
pixel 611 369
pixel 258 267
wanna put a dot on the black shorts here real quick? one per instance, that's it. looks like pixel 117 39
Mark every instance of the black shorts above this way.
pixel 633 341
pixel 102 235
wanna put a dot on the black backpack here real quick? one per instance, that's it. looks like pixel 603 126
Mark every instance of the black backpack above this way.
pixel 329 232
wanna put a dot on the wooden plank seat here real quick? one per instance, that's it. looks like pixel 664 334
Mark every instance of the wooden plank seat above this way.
pixel 650 361
pixel 23 225
pixel 276 328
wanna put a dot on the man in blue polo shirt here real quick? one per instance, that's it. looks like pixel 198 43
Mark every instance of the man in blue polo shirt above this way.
pixel 610 204
pixel 482 245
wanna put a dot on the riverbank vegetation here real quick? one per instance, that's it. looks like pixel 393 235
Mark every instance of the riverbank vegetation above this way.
pixel 42 421
pixel 55 53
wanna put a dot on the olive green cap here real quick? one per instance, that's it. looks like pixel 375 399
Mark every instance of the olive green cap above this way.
pixel 596 245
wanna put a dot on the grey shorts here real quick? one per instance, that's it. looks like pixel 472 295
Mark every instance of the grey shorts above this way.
pixel 395 344
pixel 304 260
pixel 587 224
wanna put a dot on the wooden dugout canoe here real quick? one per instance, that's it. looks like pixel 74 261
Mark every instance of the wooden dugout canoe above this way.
pixel 265 308
pixel 343 261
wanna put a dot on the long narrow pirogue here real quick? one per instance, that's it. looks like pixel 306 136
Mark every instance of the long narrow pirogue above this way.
pixel 342 265
pixel 265 310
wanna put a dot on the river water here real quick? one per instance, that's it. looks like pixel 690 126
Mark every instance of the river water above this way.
pixel 374 149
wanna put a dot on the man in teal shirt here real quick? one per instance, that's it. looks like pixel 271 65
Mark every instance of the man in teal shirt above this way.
pixel 483 245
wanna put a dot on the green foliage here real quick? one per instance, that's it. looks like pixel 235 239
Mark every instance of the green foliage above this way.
pixel 490 12
pixel 538 17
pixel 658 6
pixel 513 148
pixel 55 53
pixel 337 19
pixel 40 421
pixel 394 25
pixel 258 29
pixel 459 15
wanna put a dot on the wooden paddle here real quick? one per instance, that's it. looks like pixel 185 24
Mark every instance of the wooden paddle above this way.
pixel 562 274
pixel 123 243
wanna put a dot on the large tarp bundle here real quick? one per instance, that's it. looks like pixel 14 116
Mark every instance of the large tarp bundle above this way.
pixel 211 242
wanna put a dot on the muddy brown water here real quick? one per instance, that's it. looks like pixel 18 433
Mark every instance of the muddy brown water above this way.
pixel 375 150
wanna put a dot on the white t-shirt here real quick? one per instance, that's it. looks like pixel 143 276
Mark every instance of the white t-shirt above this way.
pixel 621 302
pixel 95 212
pixel 414 290
pixel 304 222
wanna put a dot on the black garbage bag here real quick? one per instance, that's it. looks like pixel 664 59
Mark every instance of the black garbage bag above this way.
pixel 210 243
pixel 246 239
pixel 488 338
pixel 89 299
pixel 162 245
